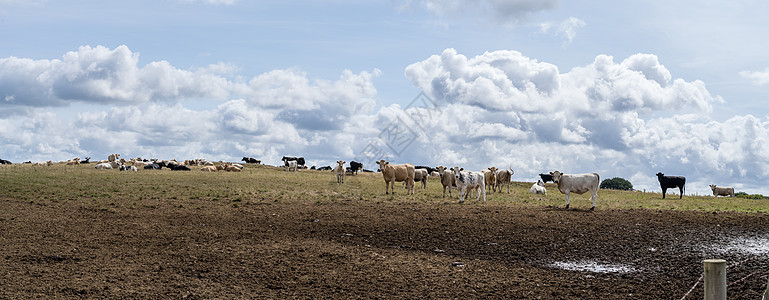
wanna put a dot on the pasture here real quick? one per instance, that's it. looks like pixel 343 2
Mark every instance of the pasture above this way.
pixel 73 231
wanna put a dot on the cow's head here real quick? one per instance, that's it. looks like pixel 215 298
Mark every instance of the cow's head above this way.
pixel 340 163
pixel 440 169
pixel 713 187
pixel 493 170
pixel 382 164
pixel 556 176
pixel 456 171
pixel 660 175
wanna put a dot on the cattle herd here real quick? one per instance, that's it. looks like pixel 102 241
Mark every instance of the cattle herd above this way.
pixel 456 178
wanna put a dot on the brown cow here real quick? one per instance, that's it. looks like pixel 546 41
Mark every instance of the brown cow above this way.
pixel 395 173
pixel 447 180
pixel 503 178
pixel 490 178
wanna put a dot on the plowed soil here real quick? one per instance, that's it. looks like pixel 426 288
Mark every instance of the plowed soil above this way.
pixel 365 249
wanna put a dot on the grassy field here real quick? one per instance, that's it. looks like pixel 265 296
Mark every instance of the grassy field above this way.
pixel 111 190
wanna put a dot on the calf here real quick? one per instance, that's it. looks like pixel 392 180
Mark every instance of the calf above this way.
pixel 503 178
pixel 447 180
pixel 420 175
pixel 671 182
pixel 577 183
pixel 291 166
pixel 339 171
pixel 469 180
pixel 490 178
pixel 538 188
pixel 393 173
pixel 722 191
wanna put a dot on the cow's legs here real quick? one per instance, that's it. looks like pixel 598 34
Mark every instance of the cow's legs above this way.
pixel 681 188
pixel 663 192
pixel 567 200
pixel 595 197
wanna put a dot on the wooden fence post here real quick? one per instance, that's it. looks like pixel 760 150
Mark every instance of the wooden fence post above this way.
pixel 715 279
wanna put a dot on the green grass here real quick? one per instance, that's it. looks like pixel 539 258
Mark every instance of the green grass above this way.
pixel 111 190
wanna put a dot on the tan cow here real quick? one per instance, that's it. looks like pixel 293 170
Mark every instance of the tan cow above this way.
pixel 209 169
pixel 339 171
pixel 722 191
pixel 447 180
pixel 420 175
pixel 503 178
pixel 395 173
pixel 490 178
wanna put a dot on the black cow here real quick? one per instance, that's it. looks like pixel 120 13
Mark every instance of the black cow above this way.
pixel 326 168
pixel 86 161
pixel 5 162
pixel 430 170
pixel 671 182
pixel 299 160
pixel 250 160
pixel 175 167
pixel 152 167
pixel 355 167
pixel 546 177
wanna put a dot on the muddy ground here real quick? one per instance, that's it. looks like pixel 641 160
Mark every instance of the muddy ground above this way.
pixel 364 249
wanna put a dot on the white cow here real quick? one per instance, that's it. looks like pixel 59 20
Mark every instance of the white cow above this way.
pixel 43 163
pixel 577 183
pixel 128 168
pixel 538 188
pixel 469 180
pixel 291 166
pixel 339 171
pixel 103 166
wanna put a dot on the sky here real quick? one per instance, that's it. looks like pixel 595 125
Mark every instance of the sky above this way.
pixel 624 89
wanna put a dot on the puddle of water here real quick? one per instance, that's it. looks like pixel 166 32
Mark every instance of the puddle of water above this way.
pixel 753 246
pixel 588 266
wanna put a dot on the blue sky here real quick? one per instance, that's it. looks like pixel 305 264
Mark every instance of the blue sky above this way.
pixel 625 89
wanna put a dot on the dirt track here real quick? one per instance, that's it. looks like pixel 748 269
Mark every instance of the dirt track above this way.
pixel 361 249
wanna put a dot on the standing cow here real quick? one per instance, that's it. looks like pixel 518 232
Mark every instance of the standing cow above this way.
pixel 393 173
pixel 671 182
pixel 503 178
pixel 577 183
pixel 468 180
pixel 447 180
pixel 722 191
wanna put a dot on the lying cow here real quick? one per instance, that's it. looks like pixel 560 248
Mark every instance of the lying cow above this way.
pixel 128 168
pixel 577 183
pixel 671 182
pixel 393 173
pixel 538 188
pixel 469 180
pixel 722 191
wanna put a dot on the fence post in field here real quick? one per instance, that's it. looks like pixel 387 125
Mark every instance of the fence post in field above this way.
pixel 715 279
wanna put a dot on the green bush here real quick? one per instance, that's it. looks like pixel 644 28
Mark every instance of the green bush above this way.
pixel 747 196
pixel 616 183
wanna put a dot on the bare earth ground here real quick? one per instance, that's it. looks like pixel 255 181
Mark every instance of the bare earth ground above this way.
pixel 366 249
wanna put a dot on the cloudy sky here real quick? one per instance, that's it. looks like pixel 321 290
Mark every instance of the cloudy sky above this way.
pixel 623 89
